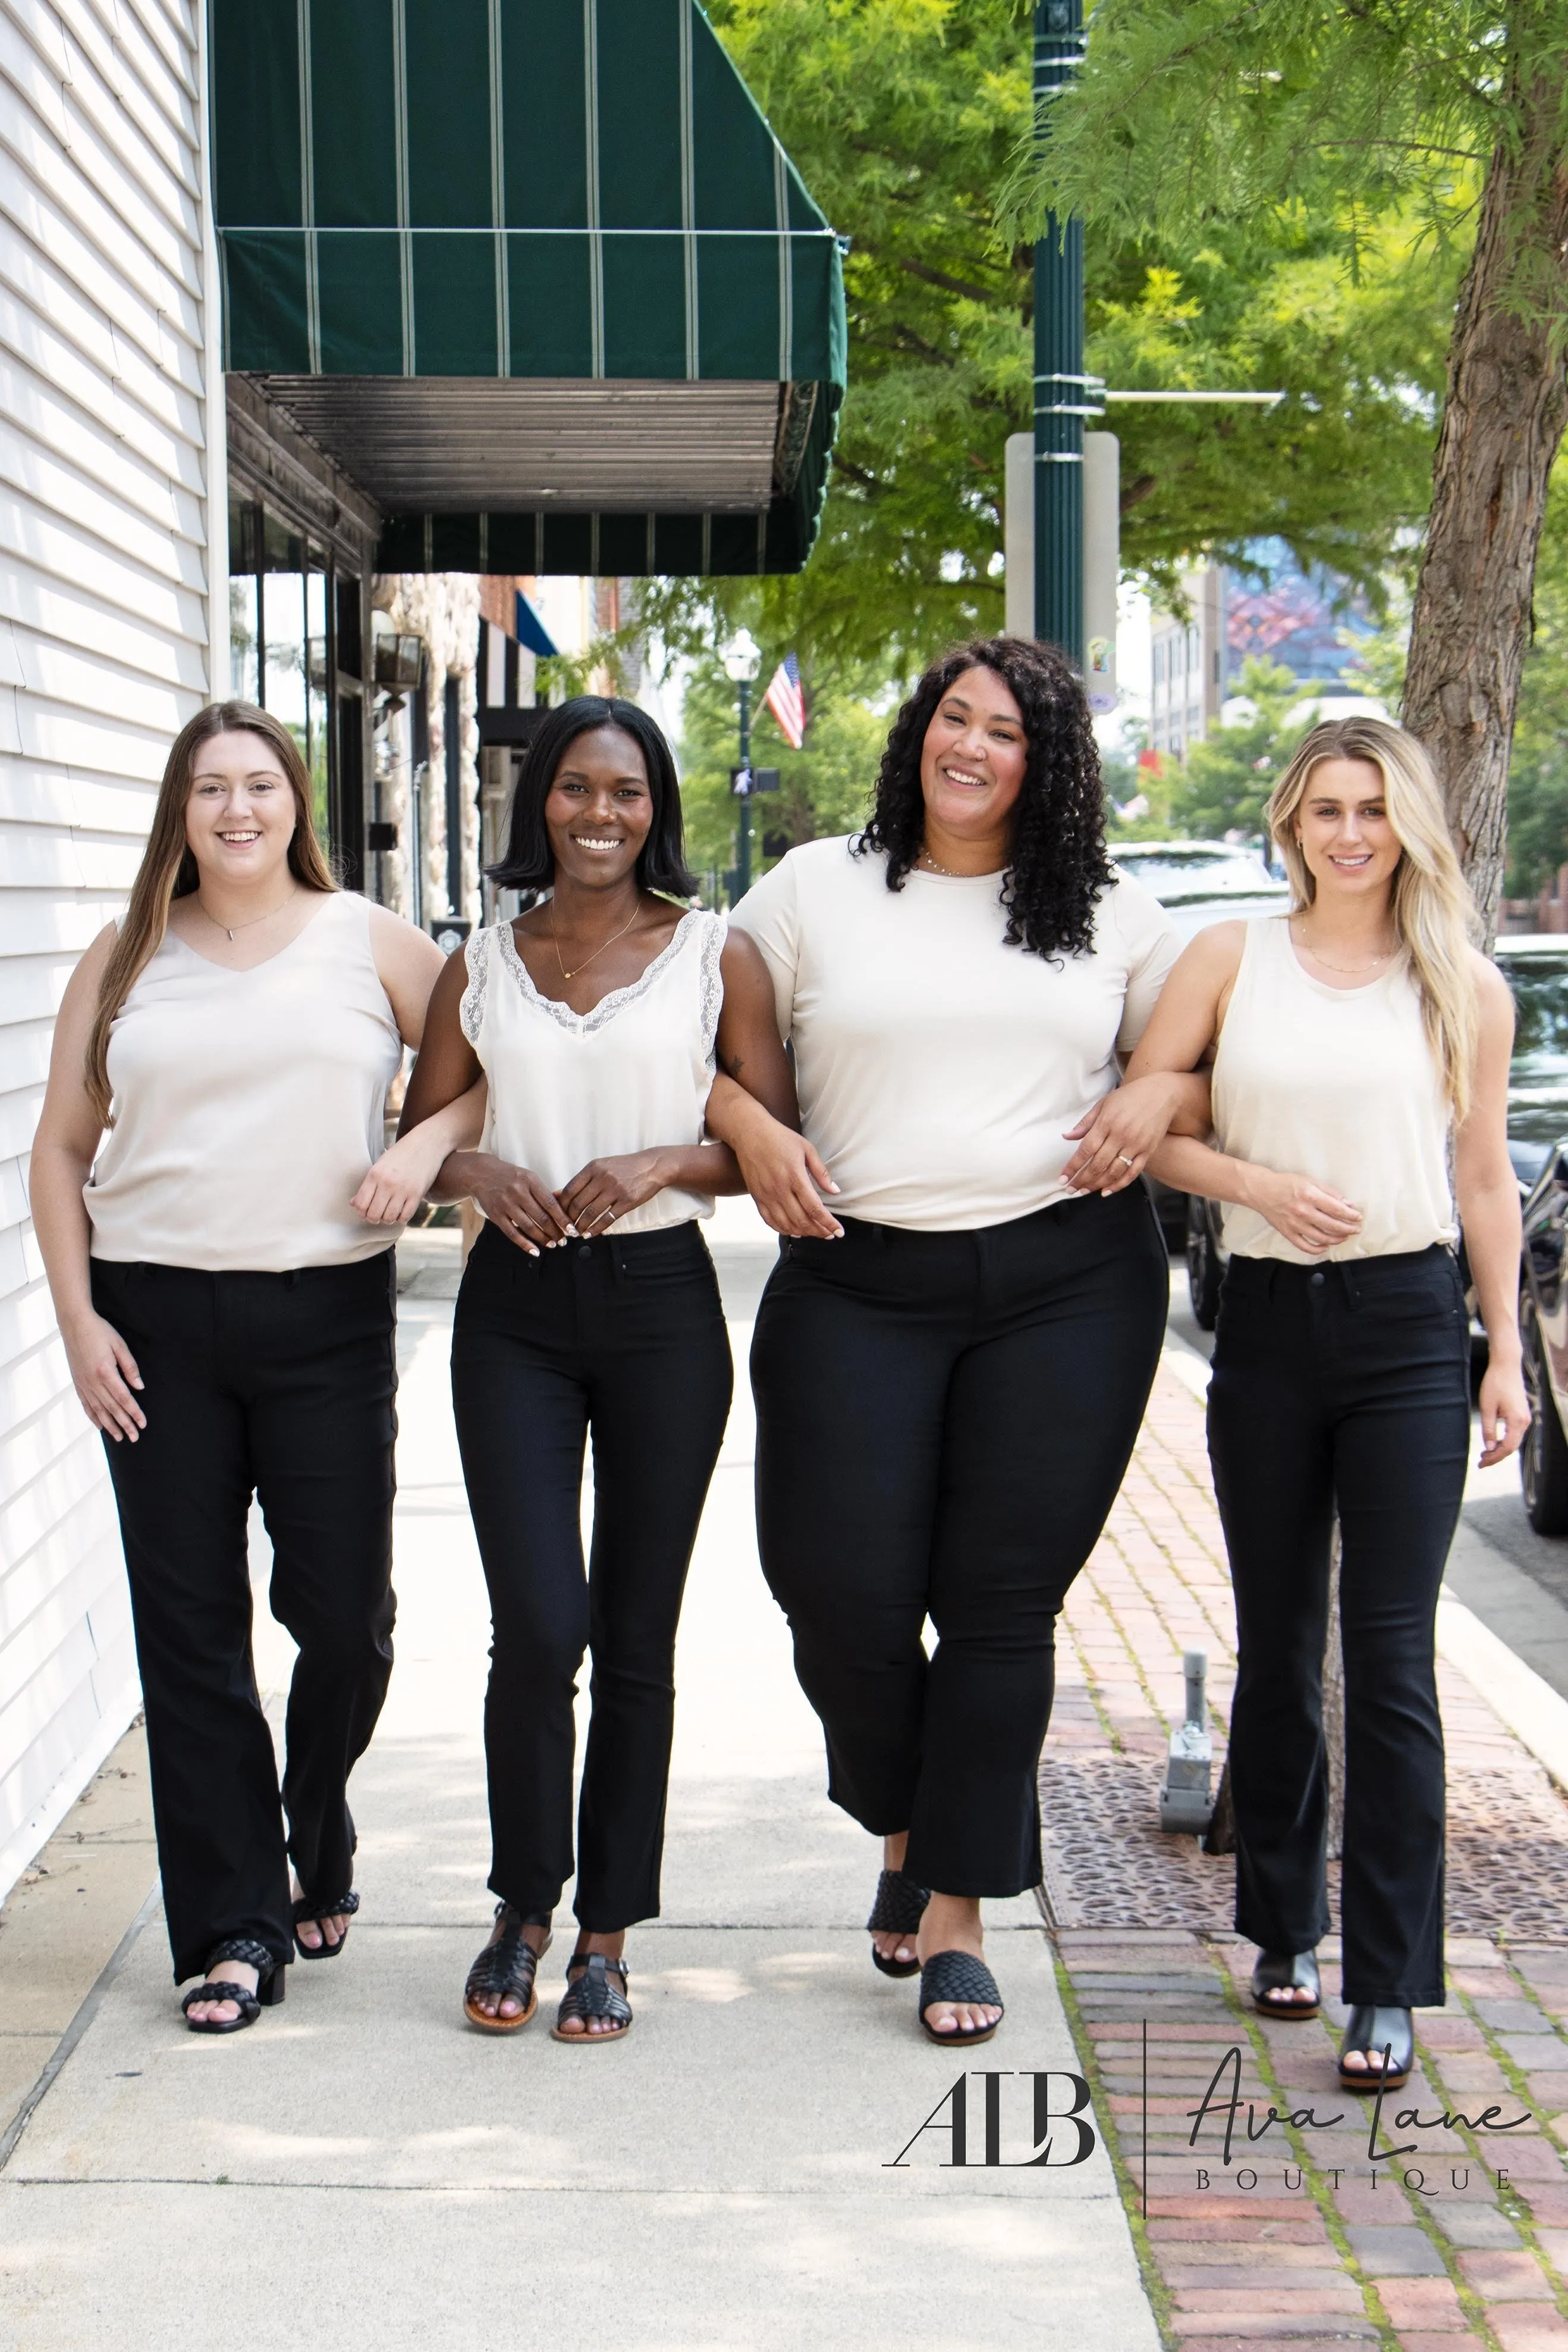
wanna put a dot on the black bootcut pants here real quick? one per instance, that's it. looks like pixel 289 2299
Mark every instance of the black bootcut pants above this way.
pixel 623 1336
pixel 943 1422
pixel 1342 1386
pixel 280 1385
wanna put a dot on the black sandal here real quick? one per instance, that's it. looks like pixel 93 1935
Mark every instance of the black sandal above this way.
pixel 899 1908
pixel 345 1906
pixel 506 1969
pixel 1278 1971
pixel 958 1976
pixel 591 1994
pixel 271 1983
pixel 1386 2033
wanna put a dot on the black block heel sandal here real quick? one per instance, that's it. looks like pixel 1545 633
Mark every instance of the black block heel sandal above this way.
pixel 1281 1971
pixel 344 1906
pixel 271 1983
pixel 505 1968
pixel 591 1994
pixel 958 1977
pixel 898 1910
pixel 1386 2033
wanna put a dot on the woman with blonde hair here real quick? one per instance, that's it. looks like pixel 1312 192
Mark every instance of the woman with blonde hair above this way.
pixel 1356 1041
pixel 222 1279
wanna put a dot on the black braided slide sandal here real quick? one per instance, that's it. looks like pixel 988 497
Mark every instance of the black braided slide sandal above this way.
pixel 958 1977
pixel 899 1908
pixel 341 1906
pixel 270 1986
pixel 506 1969
pixel 591 1994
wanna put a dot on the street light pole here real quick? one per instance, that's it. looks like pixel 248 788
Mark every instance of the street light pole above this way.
pixel 1061 387
pixel 743 818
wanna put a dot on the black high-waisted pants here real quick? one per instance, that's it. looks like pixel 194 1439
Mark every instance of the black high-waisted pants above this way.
pixel 623 1336
pixel 1343 1385
pixel 281 1385
pixel 943 1422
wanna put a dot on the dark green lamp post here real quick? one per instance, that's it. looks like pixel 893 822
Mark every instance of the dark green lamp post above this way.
pixel 743 663
pixel 1061 391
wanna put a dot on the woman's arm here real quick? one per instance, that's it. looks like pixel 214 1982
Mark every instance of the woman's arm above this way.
pixel 402 1177
pixel 752 1107
pixel 102 1367
pixel 408 963
pixel 1164 1090
pixel 445 1073
pixel 1487 1194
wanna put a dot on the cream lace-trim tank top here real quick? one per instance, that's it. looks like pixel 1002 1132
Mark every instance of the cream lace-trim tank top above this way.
pixel 248 1105
pixel 566 1088
pixel 1338 1084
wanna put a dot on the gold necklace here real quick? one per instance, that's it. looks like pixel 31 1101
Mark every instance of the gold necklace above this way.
pixel 598 951
pixel 1350 970
pixel 250 919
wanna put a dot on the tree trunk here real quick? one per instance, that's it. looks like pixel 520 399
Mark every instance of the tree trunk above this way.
pixel 1503 416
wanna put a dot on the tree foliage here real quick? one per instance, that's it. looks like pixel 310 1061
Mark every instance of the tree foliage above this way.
pixel 1229 774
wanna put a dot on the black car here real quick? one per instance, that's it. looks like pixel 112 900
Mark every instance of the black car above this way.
pixel 1536 969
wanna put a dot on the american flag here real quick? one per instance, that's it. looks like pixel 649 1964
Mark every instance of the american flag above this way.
pixel 787 702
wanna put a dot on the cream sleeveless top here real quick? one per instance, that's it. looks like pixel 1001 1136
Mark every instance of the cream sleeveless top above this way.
pixel 248 1105
pixel 1337 1084
pixel 566 1088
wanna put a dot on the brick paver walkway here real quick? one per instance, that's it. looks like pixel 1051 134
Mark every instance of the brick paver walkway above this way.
pixel 1449 2229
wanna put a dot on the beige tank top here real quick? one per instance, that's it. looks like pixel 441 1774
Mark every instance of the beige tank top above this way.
pixel 1337 1084
pixel 248 1105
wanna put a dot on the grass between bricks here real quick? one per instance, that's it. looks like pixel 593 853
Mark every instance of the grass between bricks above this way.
pixel 1513 2203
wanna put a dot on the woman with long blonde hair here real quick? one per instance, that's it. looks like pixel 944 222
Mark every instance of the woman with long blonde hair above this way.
pixel 217 1242
pixel 1357 1042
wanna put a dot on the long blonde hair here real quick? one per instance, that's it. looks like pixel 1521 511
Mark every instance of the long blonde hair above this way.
pixel 168 870
pixel 1432 907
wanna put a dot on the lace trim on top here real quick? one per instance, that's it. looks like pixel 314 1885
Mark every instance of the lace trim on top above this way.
pixel 712 987
pixel 471 1011
pixel 584 1024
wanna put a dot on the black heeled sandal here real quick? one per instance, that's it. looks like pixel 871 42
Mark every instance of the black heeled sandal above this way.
pixel 344 1906
pixel 958 1976
pixel 591 1994
pixel 1386 2033
pixel 898 1910
pixel 1280 1972
pixel 271 1983
pixel 506 1969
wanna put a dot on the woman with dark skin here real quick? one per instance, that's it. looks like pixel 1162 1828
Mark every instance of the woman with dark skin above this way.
pixel 589 1303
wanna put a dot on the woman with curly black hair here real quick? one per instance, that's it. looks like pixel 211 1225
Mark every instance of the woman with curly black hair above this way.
pixel 952 1360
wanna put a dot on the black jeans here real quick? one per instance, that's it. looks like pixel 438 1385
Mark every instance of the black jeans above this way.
pixel 623 1336
pixel 1342 1387
pixel 943 1422
pixel 281 1385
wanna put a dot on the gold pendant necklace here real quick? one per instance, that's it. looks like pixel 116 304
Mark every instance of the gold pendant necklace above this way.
pixel 598 951
pixel 1351 971
pixel 250 919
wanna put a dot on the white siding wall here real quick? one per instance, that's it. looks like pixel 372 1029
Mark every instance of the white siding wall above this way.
pixel 104 268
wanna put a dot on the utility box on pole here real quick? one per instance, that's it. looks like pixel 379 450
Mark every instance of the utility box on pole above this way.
pixel 1101 553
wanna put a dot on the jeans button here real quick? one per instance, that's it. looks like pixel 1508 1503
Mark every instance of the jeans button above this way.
pixel 585 1249
pixel 1317 1281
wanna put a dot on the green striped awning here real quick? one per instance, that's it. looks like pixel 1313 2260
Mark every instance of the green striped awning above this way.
pixel 535 273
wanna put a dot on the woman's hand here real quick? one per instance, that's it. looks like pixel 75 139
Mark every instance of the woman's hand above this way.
pixel 608 1189
pixel 1115 1138
pixel 1309 1215
pixel 514 1201
pixel 786 1179
pixel 403 1176
pixel 1504 1410
pixel 104 1372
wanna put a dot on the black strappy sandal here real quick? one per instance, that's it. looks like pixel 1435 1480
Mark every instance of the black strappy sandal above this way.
pixel 506 1969
pixel 1386 2033
pixel 271 1983
pixel 591 1994
pixel 345 1906
pixel 958 1977
pixel 1282 1971
pixel 899 1908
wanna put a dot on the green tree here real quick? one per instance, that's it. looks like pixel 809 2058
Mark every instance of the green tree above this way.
pixel 905 116
pixel 1229 774
pixel 1538 769
pixel 1452 112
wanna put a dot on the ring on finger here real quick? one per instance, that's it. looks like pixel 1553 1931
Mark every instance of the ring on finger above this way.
pixel 1124 1161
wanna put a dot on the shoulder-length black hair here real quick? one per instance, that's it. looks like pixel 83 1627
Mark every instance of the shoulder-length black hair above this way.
pixel 529 861
pixel 1058 864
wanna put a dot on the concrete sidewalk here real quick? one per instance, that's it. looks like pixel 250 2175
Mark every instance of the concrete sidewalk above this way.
pixel 360 2162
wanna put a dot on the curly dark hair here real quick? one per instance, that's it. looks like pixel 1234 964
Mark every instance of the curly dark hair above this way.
pixel 1058 864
